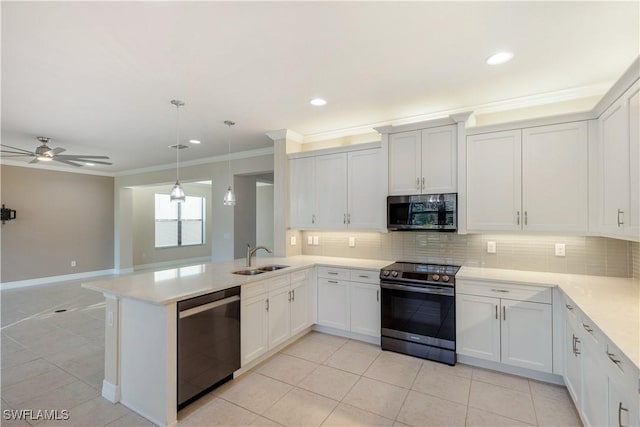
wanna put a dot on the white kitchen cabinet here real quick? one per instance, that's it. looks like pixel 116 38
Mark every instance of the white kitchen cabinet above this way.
pixel 366 190
pixel 594 382
pixel 494 190
pixel 533 179
pixel 349 300
pixel 274 310
pixel 573 362
pixel 333 303
pixel 515 329
pixel 478 326
pixel 254 326
pixel 619 142
pixel 423 161
pixel 339 191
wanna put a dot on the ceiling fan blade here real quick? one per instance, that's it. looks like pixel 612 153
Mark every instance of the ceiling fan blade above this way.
pixel 2 148
pixel 67 162
pixel 80 156
pixel 55 151
pixel 97 162
pixel 19 153
pixel 35 160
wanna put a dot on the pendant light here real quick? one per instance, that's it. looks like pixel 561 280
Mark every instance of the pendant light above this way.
pixel 229 196
pixel 177 193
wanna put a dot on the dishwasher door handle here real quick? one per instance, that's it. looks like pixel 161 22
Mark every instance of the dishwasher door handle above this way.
pixel 205 307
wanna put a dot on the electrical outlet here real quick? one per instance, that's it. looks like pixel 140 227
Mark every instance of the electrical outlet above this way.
pixel 491 247
pixel 316 240
pixel 73 263
pixel 560 249
pixel 309 240
pixel 292 240
pixel 352 242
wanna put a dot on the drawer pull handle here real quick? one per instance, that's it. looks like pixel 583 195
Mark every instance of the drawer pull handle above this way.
pixel 266 304
pixel 496 311
pixel 587 328
pixel 363 276
pixel 612 357
pixel 378 295
pixel 332 281
pixel 570 307
pixel 620 409
pixel 504 313
pixel 620 222
pixel 499 290
pixel 332 272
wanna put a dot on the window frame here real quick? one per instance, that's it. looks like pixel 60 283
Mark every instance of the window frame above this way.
pixel 179 220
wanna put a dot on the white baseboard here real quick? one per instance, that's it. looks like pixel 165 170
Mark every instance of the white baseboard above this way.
pixel 514 370
pixel 173 263
pixel 55 279
pixel 111 392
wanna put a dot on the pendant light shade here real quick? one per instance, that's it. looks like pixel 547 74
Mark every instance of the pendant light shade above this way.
pixel 229 196
pixel 177 193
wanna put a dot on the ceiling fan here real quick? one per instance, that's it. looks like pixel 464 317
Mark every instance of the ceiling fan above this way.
pixel 45 153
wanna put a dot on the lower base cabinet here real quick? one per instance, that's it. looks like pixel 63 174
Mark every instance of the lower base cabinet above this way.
pixel 272 311
pixel 515 328
pixel 602 382
pixel 349 300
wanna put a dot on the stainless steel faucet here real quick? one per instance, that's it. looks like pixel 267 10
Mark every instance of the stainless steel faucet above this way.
pixel 251 252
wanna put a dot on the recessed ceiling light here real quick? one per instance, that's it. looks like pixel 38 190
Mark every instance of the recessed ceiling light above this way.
pixel 500 58
pixel 318 102
pixel 194 141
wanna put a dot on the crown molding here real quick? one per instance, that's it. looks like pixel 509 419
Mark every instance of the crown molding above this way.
pixel 278 135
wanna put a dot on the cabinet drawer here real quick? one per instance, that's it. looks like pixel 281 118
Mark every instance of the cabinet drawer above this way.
pixel 334 273
pixel 278 282
pixel 254 289
pixel 619 367
pixel 572 312
pixel 507 291
pixel 365 276
pixel 300 276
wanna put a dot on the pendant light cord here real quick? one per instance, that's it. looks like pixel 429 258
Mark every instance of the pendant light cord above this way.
pixel 177 143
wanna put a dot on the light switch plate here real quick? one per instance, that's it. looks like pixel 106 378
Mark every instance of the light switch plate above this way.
pixel 491 247
pixel 560 249
pixel 292 240
pixel 309 240
pixel 316 240
pixel 352 242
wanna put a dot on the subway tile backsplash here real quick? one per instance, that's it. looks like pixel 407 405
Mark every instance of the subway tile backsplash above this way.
pixel 584 255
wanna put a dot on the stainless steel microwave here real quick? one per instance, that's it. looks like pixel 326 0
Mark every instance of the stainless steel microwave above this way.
pixel 425 212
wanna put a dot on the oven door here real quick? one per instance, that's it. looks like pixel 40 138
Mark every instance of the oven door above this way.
pixel 421 314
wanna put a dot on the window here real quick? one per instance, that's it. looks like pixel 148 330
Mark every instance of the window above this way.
pixel 179 224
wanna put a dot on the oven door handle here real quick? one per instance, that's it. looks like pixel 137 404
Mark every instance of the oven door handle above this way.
pixel 419 289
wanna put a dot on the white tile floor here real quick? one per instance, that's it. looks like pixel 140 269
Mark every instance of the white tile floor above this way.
pixel 56 361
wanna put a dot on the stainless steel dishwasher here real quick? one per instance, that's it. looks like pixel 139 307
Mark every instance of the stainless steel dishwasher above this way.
pixel 208 343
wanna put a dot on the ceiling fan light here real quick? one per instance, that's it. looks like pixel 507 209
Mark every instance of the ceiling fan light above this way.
pixel 44 158
pixel 177 193
pixel 229 198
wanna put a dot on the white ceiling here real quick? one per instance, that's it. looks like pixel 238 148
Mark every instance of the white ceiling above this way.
pixel 98 77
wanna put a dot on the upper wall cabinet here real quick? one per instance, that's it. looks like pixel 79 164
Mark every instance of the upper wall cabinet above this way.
pixel 423 161
pixel 619 138
pixel 533 179
pixel 338 191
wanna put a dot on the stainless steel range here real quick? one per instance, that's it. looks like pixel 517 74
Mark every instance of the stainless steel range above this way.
pixel 418 310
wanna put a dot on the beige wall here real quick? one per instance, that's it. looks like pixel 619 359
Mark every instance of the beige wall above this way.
pixel 61 217
pixel 584 255
pixel 264 217
pixel 144 250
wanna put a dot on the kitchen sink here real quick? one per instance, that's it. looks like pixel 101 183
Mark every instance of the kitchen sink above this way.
pixel 250 272
pixel 272 267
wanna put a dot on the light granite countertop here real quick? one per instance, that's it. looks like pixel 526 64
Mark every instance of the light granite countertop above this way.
pixel 612 303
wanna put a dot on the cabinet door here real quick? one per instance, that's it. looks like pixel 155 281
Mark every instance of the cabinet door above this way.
pixel 333 303
pixel 594 383
pixel 439 160
pixel 365 308
pixel 554 178
pixel 279 316
pixel 493 181
pixel 633 219
pixel 254 328
pixel 303 199
pixel 623 403
pixel 300 314
pixel 331 191
pixel 573 364
pixel 526 331
pixel 478 326
pixel 366 190
pixel 405 163
pixel 615 166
